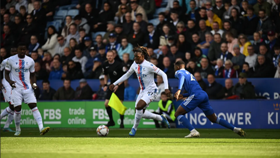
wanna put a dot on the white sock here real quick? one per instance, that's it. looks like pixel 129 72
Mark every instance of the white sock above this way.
pixel 137 119
pixel 193 130
pixel 38 117
pixel 9 120
pixel 5 112
pixel 149 115
pixel 17 117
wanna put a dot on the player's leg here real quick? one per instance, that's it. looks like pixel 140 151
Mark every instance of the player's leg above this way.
pixel 6 112
pixel 110 114
pixel 138 115
pixel 9 119
pixel 16 100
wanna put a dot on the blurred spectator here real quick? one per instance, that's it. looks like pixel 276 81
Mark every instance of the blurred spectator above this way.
pixel 35 57
pixel 251 59
pixel 74 71
pixel 234 4
pixel 163 39
pixel 51 43
pixel 39 14
pixel 80 58
pixel 198 56
pixel 83 91
pixel 262 5
pixel 136 8
pixel 239 58
pixel 34 44
pixel 226 91
pixel 143 24
pixel 193 13
pixel 89 63
pixel 46 61
pixel 3 54
pixel 215 48
pixel 90 14
pixel 174 20
pixel 213 18
pixel 187 57
pixel 244 8
pixel 87 45
pixel 272 41
pixel 110 29
pixel 102 53
pixel 154 61
pixel 203 29
pixel 243 44
pixel 41 74
pixel 125 47
pixel 7 40
pixel 7 21
pixel 247 70
pixel 182 45
pixel 72 45
pixel 81 23
pixel 49 5
pixel 120 15
pixel 216 29
pixel 219 68
pixel 82 34
pixel 67 56
pixel 244 89
pixel 56 72
pixel 250 22
pixel 13 51
pixel 257 41
pixel 149 7
pixel 152 38
pixel 202 14
pixel 168 68
pixel 30 6
pixel 161 18
pixel 236 21
pixel 205 45
pixel 128 24
pixel 264 51
pixel 101 93
pixel 98 42
pixel 112 44
pixel 163 53
pixel 219 9
pixel 30 28
pixel 73 33
pixel 13 13
pixel 191 28
pixel 231 42
pixel 205 68
pixel 129 92
pixel 61 45
pixel 104 15
pixel 228 29
pixel 19 24
pixel 10 3
pixel 264 68
pixel 229 72
pixel 137 37
pixel 160 86
pixel 275 10
pixel 48 92
pixel 66 92
pixel 68 21
pixel 276 55
pixel 264 24
pixel 96 69
pixel 175 54
pixel 126 61
pixel 213 87
pixel 119 32
pixel 199 80
pixel 277 73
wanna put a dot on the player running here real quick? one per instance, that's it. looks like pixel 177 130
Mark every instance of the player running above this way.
pixel 196 98
pixel 19 70
pixel 145 74
pixel 6 90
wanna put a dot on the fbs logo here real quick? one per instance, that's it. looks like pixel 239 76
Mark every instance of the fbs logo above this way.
pixel 276 106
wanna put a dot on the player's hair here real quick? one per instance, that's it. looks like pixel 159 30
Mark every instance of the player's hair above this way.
pixel 179 63
pixel 142 50
pixel 276 47
pixel 46 81
pixel 163 93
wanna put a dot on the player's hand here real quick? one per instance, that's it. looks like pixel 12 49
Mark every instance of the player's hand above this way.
pixel 13 84
pixel 177 94
pixel 116 88
pixel 111 87
pixel 105 88
pixel 181 97
pixel 34 86
pixel 167 92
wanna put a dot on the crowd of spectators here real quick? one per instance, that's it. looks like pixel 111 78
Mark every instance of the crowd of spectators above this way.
pixel 216 39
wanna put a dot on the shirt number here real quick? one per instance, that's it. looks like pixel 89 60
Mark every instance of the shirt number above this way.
pixel 192 78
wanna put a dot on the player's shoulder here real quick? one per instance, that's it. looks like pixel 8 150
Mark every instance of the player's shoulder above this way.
pixel 148 64
pixel 12 58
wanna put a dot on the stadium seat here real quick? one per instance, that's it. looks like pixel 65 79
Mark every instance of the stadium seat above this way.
pixel 67 7
pixel 158 11
pixel 60 15
pixel 73 12
pixel 93 35
pixel 164 3
pixel 75 2
pixel 154 21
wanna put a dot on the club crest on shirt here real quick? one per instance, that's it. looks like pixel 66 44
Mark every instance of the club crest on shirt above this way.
pixel 115 73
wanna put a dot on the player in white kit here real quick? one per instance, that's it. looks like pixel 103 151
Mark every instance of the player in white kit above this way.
pixel 6 90
pixel 145 74
pixel 19 70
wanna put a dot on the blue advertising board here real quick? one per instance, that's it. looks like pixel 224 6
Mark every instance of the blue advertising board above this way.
pixel 247 114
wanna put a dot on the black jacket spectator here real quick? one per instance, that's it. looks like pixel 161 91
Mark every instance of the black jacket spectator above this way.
pixel 74 71
pixel 224 93
pixel 41 74
pixel 212 90
pixel 104 16
pixel 136 39
pixel 246 91
pixel 39 17
pixel 219 12
pixel 264 70
pixel 90 14
pixel 47 95
pixel 30 28
pixel 63 94
pixel 250 24
pixel 202 84
pixel 50 9
pixel 84 93
pixel 265 26
pixel 205 71
pixel 7 39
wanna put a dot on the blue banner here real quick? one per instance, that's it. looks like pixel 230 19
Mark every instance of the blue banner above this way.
pixel 247 114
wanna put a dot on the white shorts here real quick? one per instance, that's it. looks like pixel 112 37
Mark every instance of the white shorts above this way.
pixel 7 90
pixel 147 96
pixel 19 95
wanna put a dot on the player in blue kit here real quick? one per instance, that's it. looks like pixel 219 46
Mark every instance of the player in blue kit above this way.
pixel 196 97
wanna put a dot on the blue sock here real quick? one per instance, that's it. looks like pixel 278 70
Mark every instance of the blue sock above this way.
pixel 185 122
pixel 224 123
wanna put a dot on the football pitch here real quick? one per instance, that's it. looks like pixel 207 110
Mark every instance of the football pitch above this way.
pixel 159 143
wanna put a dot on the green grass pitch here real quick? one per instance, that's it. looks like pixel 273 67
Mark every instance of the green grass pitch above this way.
pixel 163 143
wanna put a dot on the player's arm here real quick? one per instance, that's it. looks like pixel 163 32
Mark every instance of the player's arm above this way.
pixel 124 77
pixel 33 76
pixel 165 81
pixel 7 74
pixel 181 78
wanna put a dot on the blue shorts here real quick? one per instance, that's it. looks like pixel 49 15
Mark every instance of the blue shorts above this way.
pixel 200 100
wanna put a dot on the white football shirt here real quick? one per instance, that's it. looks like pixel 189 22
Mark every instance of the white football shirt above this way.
pixel 20 70
pixel 2 67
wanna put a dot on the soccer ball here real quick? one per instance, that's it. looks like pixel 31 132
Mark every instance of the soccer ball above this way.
pixel 102 130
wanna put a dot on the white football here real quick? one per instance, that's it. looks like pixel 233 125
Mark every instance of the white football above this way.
pixel 102 130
